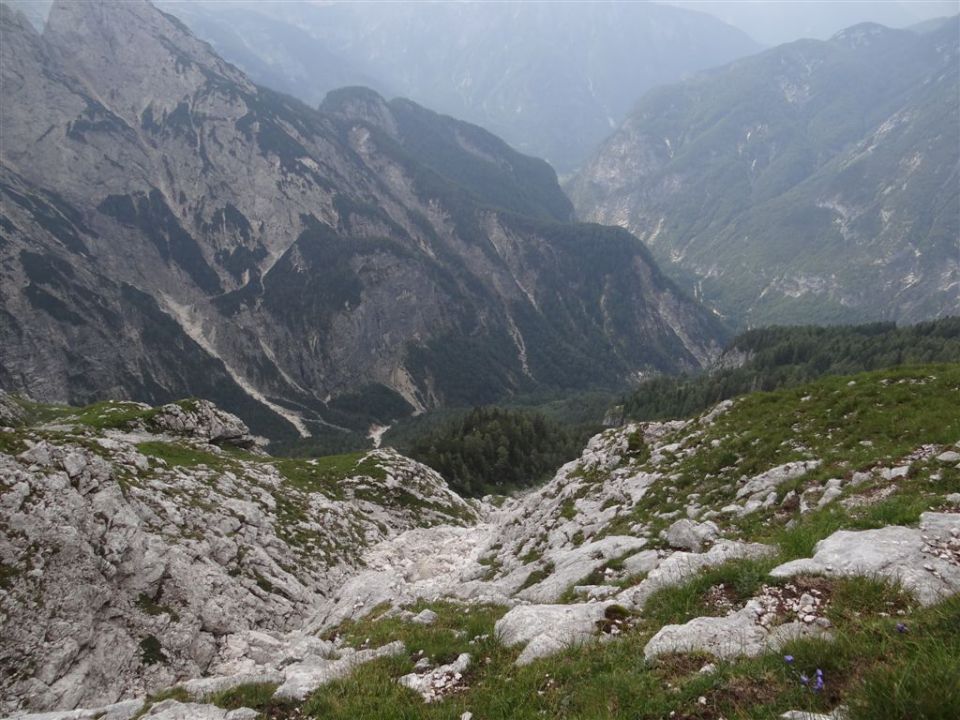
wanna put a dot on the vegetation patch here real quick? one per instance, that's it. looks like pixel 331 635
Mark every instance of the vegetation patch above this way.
pixel 492 450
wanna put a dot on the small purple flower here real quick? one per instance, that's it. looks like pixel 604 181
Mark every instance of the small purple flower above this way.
pixel 901 628
pixel 804 679
pixel 788 659
pixel 818 683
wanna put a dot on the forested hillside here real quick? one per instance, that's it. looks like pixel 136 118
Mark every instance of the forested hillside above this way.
pixel 776 357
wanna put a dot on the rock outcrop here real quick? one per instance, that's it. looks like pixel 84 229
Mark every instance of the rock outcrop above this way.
pixel 925 560
pixel 132 559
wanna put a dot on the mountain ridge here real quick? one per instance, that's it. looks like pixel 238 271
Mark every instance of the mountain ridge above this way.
pixel 834 153
pixel 337 269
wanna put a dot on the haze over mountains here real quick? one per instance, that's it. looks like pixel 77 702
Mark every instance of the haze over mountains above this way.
pixel 552 79
pixel 171 229
pixel 782 21
pixel 814 182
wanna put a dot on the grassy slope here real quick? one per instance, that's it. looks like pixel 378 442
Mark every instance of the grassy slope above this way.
pixel 877 670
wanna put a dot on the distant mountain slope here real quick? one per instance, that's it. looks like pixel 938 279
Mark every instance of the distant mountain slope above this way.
pixel 550 78
pixel 815 182
pixel 172 229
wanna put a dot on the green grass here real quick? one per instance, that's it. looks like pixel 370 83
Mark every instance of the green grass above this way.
pixel 182 455
pixel 150 606
pixel 880 672
pixel 672 605
pixel 449 636
pixel 848 423
pixel 259 697
pixel 538 575
pixel 324 474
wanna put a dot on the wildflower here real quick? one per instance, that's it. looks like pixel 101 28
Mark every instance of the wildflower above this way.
pixel 901 628
pixel 804 679
pixel 818 682
pixel 788 659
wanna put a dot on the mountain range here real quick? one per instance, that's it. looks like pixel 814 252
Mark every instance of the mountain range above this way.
pixel 552 79
pixel 814 182
pixel 172 229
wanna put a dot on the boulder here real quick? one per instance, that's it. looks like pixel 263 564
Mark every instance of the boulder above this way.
pixel 424 617
pixel 548 629
pixel 690 535
pixel 205 421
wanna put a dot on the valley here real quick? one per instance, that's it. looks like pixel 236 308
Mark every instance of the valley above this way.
pixel 627 389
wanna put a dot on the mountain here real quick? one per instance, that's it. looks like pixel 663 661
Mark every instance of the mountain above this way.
pixel 699 566
pixel 781 22
pixel 551 79
pixel 815 182
pixel 172 229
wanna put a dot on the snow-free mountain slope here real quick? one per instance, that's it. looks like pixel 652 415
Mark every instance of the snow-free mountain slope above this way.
pixel 681 560
pixel 815 182
pixel 550 78
pixel 329 267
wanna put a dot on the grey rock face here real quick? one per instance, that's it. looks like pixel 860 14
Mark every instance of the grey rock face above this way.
pixel 10 412
pixel 173 230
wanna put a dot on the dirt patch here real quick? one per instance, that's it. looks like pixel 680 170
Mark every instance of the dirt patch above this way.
pixel 721 599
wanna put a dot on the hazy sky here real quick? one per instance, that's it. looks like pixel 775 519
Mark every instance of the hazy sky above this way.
pixel 770 22
pixel 773 22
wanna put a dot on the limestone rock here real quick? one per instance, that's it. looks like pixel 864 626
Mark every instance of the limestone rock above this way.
pixel 911 556
pixel 424 617
pixel 548 629
pixel 11 413
pixel 739 634
pixel 438 682
pixel 691 535
pixel 303 678
pixel 173 710
pixel 204 420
